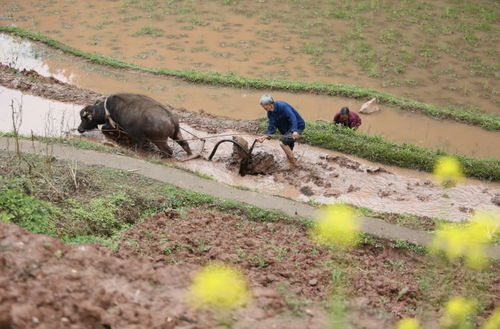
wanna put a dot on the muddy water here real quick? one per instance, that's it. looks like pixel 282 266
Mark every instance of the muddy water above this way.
pixel 395 125
pixel 306 40
pixel 325 178
pixel 35 115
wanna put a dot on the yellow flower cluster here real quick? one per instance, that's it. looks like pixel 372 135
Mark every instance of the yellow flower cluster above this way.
pixel 457 312
pixel 337 225
pixel 219 287
pixel 448 171
pixel 408 323
pixel 469 241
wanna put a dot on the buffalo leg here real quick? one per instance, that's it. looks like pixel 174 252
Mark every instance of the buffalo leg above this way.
pixel 180 140
pixel 163 146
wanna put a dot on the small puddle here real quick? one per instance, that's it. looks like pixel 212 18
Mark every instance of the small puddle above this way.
pixel 328 176
pixel 394 125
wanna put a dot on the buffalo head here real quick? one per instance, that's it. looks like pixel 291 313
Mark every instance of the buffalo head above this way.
pixel 89 119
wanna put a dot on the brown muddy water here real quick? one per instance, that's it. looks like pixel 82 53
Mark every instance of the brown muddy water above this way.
pixel 395 125
pixel 323 176
pixel 32 115
pixel 442 52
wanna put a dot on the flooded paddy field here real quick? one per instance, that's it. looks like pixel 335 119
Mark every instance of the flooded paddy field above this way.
pixel 391 123
pixel 440 52
pixel 322 177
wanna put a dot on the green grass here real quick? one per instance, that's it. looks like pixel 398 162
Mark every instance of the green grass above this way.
pixel 377 149
pixel 78 143
pixel 148 30
pixel 25 210
pixel 364 55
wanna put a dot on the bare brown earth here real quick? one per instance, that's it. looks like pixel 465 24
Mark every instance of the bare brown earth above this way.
pixel 276 255
pixel 48 284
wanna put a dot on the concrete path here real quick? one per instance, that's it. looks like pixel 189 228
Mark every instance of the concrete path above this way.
pixel 182 179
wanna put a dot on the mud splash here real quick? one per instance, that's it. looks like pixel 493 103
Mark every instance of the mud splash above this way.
pixel 395 125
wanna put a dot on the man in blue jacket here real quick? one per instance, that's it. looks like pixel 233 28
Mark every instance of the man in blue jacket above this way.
pixel 287 120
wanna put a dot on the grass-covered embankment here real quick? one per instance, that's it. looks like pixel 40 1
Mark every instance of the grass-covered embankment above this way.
pixel 96 205
pixel 377 149
pixel 89 204
pixel 485 120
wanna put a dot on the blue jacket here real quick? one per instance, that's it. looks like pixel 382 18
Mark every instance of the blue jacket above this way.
pixel 285 118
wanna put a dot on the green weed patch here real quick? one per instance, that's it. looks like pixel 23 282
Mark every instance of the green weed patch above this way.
pixel 24 210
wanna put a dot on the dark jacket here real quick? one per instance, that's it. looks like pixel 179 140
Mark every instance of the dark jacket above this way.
pixel 285 118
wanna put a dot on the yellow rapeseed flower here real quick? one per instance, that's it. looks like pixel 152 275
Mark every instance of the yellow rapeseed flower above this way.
pixel 493 321
pixel 448 171
pixel 338 225
pixel 408 323
pixel 219 287
pixel 450 239
pixel 475 257
pixel 468 241
pixel 457 312
pixel 484 226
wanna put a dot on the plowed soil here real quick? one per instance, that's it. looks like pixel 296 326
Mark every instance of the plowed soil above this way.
pixel 48 284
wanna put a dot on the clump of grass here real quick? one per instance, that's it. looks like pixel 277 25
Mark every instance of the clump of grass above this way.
pixel 24 210
pixel 148 30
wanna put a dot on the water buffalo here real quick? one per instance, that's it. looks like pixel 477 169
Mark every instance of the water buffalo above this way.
pixel 137 118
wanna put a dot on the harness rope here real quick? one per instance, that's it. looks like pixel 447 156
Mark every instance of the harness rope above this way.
pixel 196 137
pixel 107 115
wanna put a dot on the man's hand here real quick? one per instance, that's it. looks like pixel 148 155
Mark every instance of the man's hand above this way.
pixel 295 135
pixel 261 139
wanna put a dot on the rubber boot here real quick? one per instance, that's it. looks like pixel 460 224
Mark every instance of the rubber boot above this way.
pixel 289 155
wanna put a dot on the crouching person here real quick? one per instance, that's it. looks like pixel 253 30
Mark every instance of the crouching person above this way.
pixel 347 118
pixel 287 120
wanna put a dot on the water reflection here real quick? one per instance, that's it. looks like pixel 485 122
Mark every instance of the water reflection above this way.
pixel 22 54
pixel 32 115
